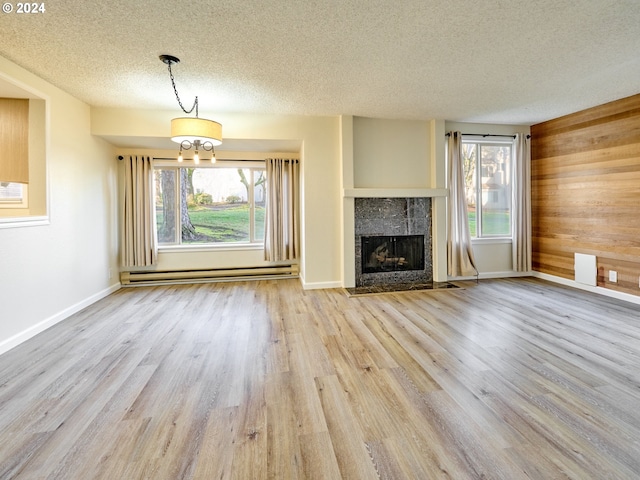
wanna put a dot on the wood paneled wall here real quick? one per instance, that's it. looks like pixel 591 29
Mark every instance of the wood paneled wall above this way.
pixel 586 192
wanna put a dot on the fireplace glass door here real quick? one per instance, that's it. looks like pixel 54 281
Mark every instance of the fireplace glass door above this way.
pixel 392 253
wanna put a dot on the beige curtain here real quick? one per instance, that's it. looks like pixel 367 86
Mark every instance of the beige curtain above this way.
pixel 283 190
pixel 460 260
pixel 522 204
pixel 139 246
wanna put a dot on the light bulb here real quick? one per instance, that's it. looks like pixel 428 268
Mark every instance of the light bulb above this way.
pixel 180 157
pixel 213 158
pixel 196 158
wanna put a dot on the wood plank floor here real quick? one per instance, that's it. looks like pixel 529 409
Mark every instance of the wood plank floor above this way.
pixel 505 379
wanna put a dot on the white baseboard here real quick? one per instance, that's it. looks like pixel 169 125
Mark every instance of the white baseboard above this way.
pixel 508 274
pixel 14 341
pixel 599 290
pixel 320 285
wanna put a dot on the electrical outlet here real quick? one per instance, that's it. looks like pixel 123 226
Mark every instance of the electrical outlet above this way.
pixel 613 276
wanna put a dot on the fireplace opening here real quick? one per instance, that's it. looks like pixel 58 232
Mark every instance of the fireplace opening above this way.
pixel 392 253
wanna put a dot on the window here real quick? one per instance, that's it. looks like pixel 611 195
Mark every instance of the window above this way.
pixel 209 205
pixel 13 195
pixel 488 193
pixel 23 170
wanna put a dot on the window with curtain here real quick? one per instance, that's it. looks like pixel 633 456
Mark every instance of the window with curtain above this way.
pixel 487 174
pixel 210 205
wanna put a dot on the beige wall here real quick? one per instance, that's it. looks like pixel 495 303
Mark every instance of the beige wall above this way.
pixel 51 270
pixel 391 153
pixel 37 157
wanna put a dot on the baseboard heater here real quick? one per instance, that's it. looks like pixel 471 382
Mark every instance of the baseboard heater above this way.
pixel 170 277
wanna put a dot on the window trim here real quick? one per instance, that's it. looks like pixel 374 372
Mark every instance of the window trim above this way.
pixel 491 240
pixel 210 247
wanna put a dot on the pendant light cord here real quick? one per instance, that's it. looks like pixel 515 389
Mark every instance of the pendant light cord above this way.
pixel 173 82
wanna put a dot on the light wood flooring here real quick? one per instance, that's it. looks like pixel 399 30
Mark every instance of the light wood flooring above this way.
pixel 505 379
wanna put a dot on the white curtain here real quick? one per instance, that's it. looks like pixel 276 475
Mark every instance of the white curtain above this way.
pixel 281 236
pixel 460 260
pixel 139 246
pixel 522 204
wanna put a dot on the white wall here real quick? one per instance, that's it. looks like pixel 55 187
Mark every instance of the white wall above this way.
pixel 320 265
pixel 50 271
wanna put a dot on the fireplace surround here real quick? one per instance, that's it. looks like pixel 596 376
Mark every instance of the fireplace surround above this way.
pixel 399 218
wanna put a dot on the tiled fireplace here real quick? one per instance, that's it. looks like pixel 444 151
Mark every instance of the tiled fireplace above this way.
pixel 393 243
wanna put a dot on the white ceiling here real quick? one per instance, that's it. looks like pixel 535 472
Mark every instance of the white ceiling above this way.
pixel 493 61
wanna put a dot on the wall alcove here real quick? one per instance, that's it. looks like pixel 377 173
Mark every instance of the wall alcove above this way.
pixel 23 155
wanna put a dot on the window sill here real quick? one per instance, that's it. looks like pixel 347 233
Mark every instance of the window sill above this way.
pixel 16 222
pixel 489 240
pixel 236 247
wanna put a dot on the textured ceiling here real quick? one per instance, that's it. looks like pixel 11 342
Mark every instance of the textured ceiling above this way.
pixel 494 61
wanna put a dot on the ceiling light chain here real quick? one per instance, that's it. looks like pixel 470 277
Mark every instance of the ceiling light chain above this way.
pixel 170 61
pixel 199 133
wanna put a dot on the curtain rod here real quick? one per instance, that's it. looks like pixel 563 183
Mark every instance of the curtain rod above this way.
pixel 120 157
pixel 232 160
pixel 206 159
pixel 448 134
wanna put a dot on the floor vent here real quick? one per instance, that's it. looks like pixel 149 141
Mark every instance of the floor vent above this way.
pixel 171 277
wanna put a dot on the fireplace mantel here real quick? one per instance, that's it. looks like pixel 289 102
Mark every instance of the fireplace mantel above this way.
pixel 394 192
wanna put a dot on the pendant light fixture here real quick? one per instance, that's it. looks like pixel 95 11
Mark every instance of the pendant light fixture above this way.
pixel 192 132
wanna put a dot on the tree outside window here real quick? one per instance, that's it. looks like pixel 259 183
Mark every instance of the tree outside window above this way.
pixel 209 205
